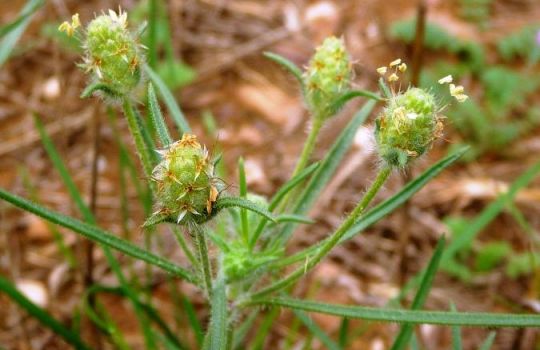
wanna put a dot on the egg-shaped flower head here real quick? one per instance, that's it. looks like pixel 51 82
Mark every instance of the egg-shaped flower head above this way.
pixel 185 190
pixel 113 55
pixel 327 77
pixel 406 128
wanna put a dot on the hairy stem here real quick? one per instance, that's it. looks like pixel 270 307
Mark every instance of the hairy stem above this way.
pixel 204 260
pixel 136 131
pixel 333 240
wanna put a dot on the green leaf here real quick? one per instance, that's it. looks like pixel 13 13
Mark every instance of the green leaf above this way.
pixel 473 319
pixel 157 117
pixel 406 330
pixel 301 219
pixel 100 87
pixel 243 194
pixel 175 73
pixel 41 315
pixel 338 104
pixel 326 169
pixel 218 324
pixel 456 333
pixel 169 100
pixel 13 32
pixel 98 235
pixel 316 330
pixel 227 202
pixel 288 65
pixel 486 345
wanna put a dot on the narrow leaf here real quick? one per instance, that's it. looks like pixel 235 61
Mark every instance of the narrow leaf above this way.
pixel 406 331
pixel 169 100
pixel 316 330
pixel 227 202
pixel 100 87
pixel 340 102
pixel 288 65
pixel 98 235
pixel 157 117
pixel 486 345
pixel 301 219
pixel 456 333
pixel 41 315
pixel 473 319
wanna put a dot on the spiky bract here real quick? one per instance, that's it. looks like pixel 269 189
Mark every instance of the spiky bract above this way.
pixel 407 127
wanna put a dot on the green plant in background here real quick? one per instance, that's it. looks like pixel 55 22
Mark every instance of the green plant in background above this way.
pixel 245 267
pixel 503 113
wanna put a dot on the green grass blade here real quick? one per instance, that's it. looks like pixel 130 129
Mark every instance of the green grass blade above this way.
pixel 290 66
pixel 316 330
pixel 218 324
pixel 157 117
pixel 41 315
pixel 98 235
pixel 14 32
pixel 457 344
pixel 486 345
pixel 406 330
pixel 490 212
pixel 386 207
pixel 473 319
pixel 152 33
pixel 169 100
pixel 326 169
pixel 294 218
pixel 193 320
pixel 344 333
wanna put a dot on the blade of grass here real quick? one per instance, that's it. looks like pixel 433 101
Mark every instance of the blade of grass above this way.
pixel 287 64
pixel 343 333
pixel 193 320
pixel 169 100
pixel 326 169
pixel 96 234
pixel 13 33
pixel 486 345
pixel 228 202
pixel 152 33
pixel 473 319
pixel 41 315
pixel 406 330
pixel 316 330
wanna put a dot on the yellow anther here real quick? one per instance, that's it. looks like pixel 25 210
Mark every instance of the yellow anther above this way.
pixel 382 70
pixel 395 62
pixel 66 28
pixel 446 80
pixel 393 77
pixel 402 67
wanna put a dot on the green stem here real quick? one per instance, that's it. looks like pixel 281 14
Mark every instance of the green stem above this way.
pixel 333 240
pixel 204 260
pixel 309 146
pixel 136 131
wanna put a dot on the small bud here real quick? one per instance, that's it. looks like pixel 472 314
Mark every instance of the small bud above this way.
pixel 113 54
pixel 327 77
pixel 407 127
pixel 185 190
